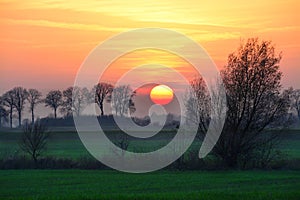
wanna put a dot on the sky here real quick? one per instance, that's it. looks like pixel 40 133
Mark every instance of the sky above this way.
pixel 43 43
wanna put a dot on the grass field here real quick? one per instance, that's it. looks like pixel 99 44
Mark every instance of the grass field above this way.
pixel 110 184
pixel 67 144
pixel 78 184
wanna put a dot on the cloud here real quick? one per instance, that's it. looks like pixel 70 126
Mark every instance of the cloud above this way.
pixel 55 24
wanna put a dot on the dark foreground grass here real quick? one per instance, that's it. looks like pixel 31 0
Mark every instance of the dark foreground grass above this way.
pixel 78 184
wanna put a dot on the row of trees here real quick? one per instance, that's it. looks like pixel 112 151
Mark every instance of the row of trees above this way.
pixel 70 101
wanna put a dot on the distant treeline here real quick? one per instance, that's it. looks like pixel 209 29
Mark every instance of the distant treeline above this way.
pixel 71 101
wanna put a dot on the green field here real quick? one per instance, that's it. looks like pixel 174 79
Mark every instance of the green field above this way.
pixel 166 184
pixel 67 144
pixel 79 184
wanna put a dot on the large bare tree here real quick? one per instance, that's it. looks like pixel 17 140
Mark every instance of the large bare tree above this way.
pixel 253 85
pixel 255 102
pixel 20 95
pixel 102 93
pixel 34 98
pixel 54 100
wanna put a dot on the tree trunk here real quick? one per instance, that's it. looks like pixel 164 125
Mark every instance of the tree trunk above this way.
pixel 20 118
pixel 32 116
pixel 101 109
pixel 55 113
pixel 10 117
pixel 34 157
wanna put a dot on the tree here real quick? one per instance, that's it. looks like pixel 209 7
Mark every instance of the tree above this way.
pixel 9 101
pixel 54 100
pixel 296 101
pixel 102 92
pixel 3 112
pixel 255 102
pixel 74 100
pixel 34 139
pixel 67 105
pixel 34 98
pixel 122 100
pixel 80 99
pixel 198 105
pixel 20 95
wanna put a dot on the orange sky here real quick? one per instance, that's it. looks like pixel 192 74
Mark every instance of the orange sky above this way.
pixel 43 43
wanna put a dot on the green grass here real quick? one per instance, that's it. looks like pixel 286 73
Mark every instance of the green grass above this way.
pixel 67 144
pixel 290 144
pixel 92 184
pixel 78 184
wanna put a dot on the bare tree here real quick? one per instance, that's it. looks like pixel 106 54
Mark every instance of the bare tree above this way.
pixel 102 92
pixel 75 99
pixel 67 105
pixel 34 139
pixel 34 98
pixel 20 95
pixel 296 101
pixel 54 100
pixel 9 101
pixel 80 99
pixel 122 100
pixel 198 105
pixel 255 102
pixel 3 112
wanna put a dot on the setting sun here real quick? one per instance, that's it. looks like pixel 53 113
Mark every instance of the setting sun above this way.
pixel 161 94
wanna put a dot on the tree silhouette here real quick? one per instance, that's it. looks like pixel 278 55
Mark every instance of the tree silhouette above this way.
pixel 34 139
pixel 122 102
pixel 54 100
pixel 254 100
pixel 74 100
pixel 9 101
pixel 80 99
pixel 34 98
pixel 102 92
pixel 67 105
pixel 3 112
pixel 20 95
pixel 252 81
pixel 198 105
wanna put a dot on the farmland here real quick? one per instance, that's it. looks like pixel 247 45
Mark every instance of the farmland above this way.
pixel 164 184
pixel 93 184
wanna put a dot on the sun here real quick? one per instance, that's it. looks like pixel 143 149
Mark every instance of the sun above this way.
pixel 161 94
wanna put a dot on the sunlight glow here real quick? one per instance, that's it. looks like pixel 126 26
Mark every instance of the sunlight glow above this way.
pixel 161 94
